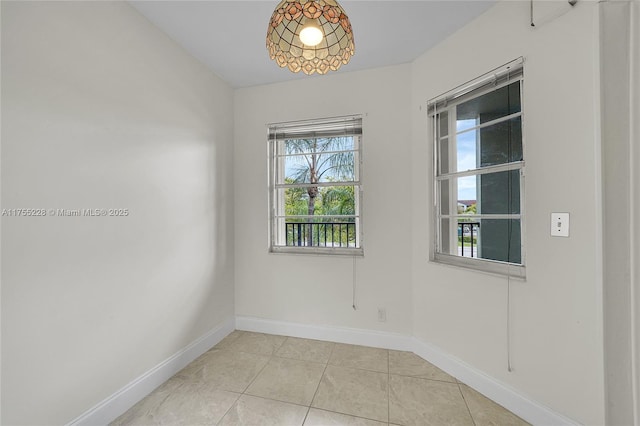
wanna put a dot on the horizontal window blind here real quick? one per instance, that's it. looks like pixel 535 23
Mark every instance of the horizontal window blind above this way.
pixel 503 75
pixel 320 128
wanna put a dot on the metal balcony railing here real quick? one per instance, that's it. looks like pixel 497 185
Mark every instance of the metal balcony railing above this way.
pixel 468 230
pixel 321 234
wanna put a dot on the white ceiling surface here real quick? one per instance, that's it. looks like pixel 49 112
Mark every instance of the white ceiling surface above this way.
pixel 229 36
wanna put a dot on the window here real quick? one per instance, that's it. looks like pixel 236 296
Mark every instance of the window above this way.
pixel 315 192
pixel 479 173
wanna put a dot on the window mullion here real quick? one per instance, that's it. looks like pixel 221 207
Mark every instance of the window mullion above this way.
pixel 318 184
pixel 484 170
pixel 522 219
pixel 491 123
pixel 482 216
pixel 299 154
pixel 453 183
pixel 436 222
pixel 280 168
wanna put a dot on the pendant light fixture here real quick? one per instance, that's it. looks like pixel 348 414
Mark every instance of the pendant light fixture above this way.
pixel 312 36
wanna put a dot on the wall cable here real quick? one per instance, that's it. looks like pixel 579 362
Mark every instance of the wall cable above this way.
pixel 509 367
pixel 531 12
pixel 353 305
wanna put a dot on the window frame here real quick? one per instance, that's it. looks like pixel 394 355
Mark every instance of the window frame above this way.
pixel 310 129
pixel 487 83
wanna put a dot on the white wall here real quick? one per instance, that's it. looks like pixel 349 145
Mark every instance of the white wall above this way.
pixel 556 314
pixel 615 29
pixel 101 110
pixel 317 290
pixel 635 188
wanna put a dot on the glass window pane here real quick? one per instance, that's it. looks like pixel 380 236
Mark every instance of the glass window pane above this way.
pixel 296 201
pixel 444 197
pixel 467 194
pixel 499 193
pixel 328 232
pixel 319 201
pixel 443 126
pixel 499 239
pixel 501 143
pixel 497 144
pixel 444 156
pixel 466 147
pixel 463 124
pixel 335 221
pixel 490 106
pixel 320 167
pixel 305 146
pixel 444 236
pixel 468 233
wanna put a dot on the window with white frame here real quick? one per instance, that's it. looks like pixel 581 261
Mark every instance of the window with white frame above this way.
pixel 479 173
pixel 315 191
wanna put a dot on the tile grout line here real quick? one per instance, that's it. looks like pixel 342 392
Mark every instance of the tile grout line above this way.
pixel 237 393
pixel 265 365
pixel 466 404
pixel 388 386
pixel 247 387
pixel 229 409
pixel 271 357
pixel 275 400
pixel 320 381
pixel 348 415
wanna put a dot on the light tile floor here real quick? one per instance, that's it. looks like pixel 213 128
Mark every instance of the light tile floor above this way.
pixel 259 379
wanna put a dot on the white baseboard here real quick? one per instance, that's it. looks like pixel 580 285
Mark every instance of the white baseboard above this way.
pixel 354 336
pixel 528 409
pixel 111 408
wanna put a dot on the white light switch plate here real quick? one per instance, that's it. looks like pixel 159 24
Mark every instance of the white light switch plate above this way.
pixel 559 224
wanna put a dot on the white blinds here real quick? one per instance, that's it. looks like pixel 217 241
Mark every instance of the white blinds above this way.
pixel 320 128
pixel 505 74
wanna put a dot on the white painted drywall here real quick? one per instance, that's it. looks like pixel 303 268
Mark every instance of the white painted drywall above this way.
pixel 615 51
pixel 635 188
pixel 556 314
pixel 102 110
pixel 317 290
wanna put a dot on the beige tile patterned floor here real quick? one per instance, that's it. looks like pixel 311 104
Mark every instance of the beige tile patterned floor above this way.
pixel 257 379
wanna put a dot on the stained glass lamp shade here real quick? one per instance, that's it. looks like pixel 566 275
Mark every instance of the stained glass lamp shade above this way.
pixel 290 18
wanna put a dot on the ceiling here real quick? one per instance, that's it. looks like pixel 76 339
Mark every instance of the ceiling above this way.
pixel 229 36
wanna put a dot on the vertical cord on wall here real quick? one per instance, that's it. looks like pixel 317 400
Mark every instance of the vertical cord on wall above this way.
pixel 531 12
pixel 354 284
pixel 509 368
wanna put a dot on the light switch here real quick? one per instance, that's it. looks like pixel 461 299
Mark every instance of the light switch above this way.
pixel 559 224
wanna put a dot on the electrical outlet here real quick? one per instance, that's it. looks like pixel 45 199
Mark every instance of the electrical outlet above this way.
pixel 382 314
pixel 559 224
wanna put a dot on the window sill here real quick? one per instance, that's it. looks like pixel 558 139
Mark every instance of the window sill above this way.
pixel 336 251
pixel 492 267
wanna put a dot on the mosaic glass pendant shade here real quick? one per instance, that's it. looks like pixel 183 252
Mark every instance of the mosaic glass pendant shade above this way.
pixel 286 48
